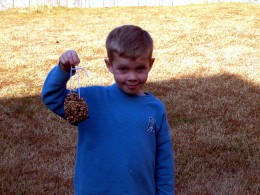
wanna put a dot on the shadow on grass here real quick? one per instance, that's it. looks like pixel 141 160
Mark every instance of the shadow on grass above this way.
pixel 214 126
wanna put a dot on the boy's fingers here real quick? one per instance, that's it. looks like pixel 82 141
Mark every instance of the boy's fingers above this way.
pixel 69 58
pixel 74 57
pixel 62 60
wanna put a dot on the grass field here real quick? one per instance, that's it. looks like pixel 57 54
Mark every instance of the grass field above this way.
pixel 207 72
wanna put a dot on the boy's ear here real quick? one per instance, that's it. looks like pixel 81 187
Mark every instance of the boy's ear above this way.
pixel 109 65
pixel 151 62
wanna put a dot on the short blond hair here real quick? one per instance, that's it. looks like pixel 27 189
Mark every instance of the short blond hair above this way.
pixel 129 41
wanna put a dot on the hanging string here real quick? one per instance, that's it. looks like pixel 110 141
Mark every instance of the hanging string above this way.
pixel 71 74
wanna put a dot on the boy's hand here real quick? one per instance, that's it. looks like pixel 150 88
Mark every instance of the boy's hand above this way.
pixel 69 59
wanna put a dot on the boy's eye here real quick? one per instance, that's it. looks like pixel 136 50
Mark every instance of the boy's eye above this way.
pixel 141 68
pixel 122 68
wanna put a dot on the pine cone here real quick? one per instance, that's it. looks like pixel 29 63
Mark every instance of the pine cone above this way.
pixel 75 108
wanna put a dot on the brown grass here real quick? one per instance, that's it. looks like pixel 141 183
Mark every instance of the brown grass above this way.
pixel 206 72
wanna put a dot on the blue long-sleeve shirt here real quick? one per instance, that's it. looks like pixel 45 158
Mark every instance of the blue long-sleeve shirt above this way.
pixel 124 147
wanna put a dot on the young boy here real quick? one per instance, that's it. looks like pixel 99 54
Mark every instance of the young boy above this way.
pixel 124 147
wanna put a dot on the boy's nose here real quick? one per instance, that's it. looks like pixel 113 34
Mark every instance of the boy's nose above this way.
pixel 131 76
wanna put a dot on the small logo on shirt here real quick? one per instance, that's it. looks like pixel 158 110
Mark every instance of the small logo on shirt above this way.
pixel 151 124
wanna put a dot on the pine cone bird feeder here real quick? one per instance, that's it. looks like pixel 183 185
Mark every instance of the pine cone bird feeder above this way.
pixel 76 108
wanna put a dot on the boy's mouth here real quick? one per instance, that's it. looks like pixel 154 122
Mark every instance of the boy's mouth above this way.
pixel 132 86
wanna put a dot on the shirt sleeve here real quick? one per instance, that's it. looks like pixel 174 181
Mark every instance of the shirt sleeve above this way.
pixel 54 90
pixel 164 173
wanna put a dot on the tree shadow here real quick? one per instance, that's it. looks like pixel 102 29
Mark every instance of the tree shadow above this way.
pixel 215 131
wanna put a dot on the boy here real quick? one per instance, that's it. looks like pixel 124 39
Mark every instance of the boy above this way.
pixel 124 147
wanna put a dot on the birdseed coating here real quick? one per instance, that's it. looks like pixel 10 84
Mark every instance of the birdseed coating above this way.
pixel 76 108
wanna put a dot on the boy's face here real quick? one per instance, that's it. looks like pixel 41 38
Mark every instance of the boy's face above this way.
pixel 130 75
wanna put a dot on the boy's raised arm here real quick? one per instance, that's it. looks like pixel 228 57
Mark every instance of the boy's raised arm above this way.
pixel 54 89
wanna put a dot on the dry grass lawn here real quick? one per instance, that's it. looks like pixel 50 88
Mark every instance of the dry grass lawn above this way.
pixel 206 72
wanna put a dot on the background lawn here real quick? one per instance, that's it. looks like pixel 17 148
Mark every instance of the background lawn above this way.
pixel 207 72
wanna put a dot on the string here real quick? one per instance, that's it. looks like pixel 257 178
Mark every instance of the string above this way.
pixel 71 74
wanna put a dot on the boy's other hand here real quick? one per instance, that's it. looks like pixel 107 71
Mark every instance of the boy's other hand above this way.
pixel 69 59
